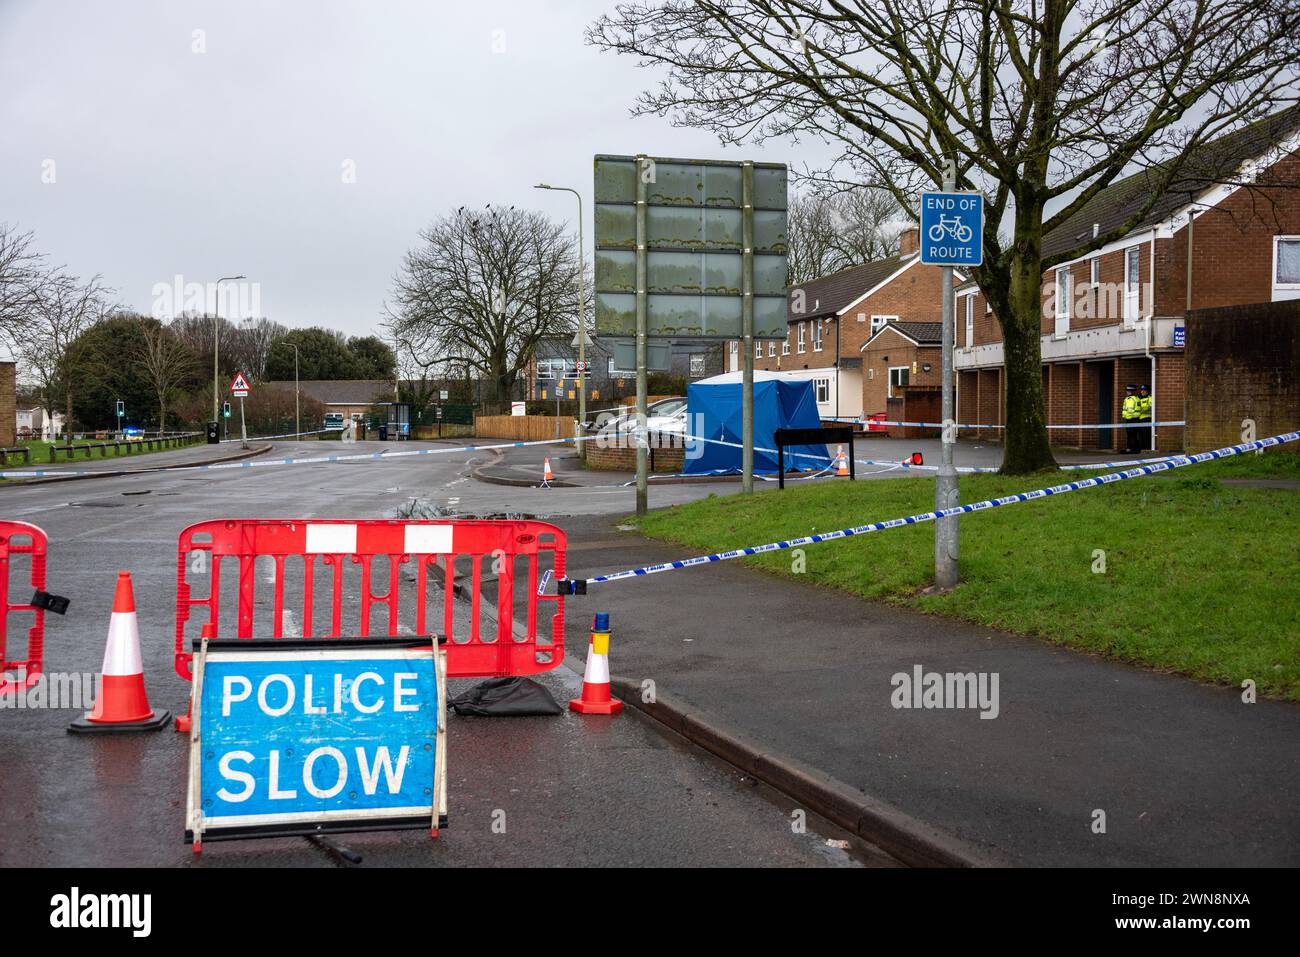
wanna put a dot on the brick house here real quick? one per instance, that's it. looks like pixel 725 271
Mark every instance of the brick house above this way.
pixel 556 361
pixel 1227 234
pixel 831 321
pixel 901 373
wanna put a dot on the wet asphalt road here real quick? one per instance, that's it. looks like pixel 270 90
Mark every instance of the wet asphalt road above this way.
pixel 574 790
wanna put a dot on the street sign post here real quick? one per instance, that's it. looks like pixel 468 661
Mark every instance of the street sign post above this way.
pixel 690 249
pixel 952 234
pixel 239 389
pixel 300 737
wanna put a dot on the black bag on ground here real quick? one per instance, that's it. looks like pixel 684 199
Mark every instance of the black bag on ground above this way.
pixel 506 698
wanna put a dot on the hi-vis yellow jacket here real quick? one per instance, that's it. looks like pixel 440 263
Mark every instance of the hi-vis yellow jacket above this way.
pixel 1132 407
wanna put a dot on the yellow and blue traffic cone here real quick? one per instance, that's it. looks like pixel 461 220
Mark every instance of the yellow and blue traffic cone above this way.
pixel 596 698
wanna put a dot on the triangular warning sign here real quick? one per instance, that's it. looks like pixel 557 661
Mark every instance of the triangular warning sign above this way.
pixel 240 384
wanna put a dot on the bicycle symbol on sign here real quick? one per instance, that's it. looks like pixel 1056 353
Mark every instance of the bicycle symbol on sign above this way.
pixel 953 227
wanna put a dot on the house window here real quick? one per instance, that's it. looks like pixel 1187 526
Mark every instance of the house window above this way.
pixel 817 335
pixel 735 358
pixel 1094 267
pixel 615 373
pixel 898 376
pixel 697 363
pixel 785 343
pixel 557 368
pixel 758 350
pixel 1064 290
pixel 970 321
pixel 878 321
pixel 802 331
pixel 823 387
pixel 1132 273
pixel 771 348
pixel 1286 267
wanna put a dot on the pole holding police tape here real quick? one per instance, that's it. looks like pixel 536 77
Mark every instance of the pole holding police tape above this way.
pixel 952 234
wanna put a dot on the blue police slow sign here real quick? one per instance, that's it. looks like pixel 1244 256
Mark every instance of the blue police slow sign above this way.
pixel 952 229
pixel 308 737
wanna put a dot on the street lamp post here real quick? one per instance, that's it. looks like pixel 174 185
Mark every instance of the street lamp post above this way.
pixel 582 307
pixel 216 344
pixel 297 424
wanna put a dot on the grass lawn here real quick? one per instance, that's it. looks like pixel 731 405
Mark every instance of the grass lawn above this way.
pixel 41 453
pixel 1201 577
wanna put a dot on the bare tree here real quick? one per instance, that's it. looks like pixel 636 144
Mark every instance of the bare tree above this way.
pixel 166 362
pixel 483 288
pixel 418 363
pixel 867 224
pixel 20 270
pixel 810 239
pixel 62 308
pixel 1034 102
pixel 827 232
pixel 248 345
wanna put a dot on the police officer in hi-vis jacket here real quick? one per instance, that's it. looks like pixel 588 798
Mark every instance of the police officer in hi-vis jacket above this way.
pixel 1136 410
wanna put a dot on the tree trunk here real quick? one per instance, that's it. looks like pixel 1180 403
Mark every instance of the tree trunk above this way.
pixel 502 379
pixel 1027 448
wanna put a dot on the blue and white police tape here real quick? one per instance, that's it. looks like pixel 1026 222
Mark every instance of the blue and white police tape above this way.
pixel 264 463
pixel 971 425
pixel 964 469
pixel 282 435
pixel 579 586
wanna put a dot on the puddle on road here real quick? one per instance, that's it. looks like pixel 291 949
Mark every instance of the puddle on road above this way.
pixel 419 509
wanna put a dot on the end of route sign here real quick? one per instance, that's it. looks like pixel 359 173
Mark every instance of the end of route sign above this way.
pixel 952 229
pixel 300 737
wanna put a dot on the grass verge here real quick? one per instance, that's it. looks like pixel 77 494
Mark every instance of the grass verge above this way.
pixel 1200 577
pixel 41 454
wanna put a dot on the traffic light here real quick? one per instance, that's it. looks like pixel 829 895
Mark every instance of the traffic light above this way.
pixel 225 409
pixel 121 408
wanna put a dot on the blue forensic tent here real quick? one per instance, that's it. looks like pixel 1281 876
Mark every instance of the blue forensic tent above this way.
pixel 781 401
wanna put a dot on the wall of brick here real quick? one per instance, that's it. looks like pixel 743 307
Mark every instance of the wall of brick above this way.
pixel 623 459
pixel 913 297
pixel 8 404
pixel 890 349
pixel 1242 363
pixel 1062 392
pixel 1232 245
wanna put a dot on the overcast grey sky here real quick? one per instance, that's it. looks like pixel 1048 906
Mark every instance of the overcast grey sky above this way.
pixel 169 162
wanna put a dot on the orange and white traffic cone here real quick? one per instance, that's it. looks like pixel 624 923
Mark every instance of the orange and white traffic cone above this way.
pixel 547 474
pixel 122 704
pixel 596 698
pixel 841 462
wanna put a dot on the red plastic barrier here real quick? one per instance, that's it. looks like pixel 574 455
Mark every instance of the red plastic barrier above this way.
pixel 472 650
pixel 873 422
pixel 19 538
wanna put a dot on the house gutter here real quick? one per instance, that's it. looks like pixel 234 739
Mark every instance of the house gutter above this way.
pixel 1151 318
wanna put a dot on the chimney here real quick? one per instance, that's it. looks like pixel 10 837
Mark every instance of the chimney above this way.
pixel 909 240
